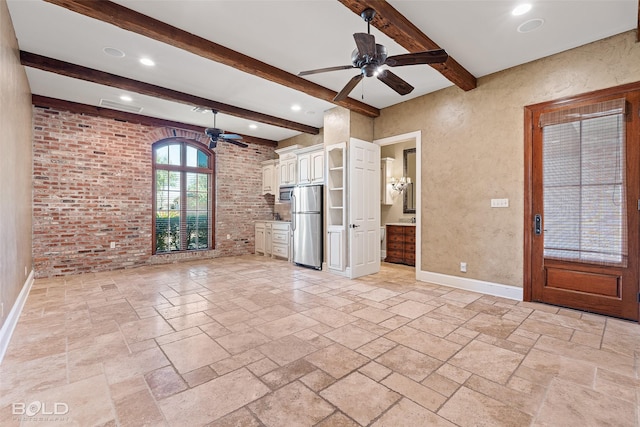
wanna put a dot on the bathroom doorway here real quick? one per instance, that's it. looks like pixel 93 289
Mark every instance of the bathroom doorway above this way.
pixel 399 208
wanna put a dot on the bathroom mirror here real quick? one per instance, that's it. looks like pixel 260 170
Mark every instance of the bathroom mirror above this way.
pixel 409 202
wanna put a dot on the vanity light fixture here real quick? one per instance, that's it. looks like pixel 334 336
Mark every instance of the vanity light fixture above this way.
pixel 400 184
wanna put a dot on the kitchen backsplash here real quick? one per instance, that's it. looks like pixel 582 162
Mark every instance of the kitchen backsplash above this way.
pixel 284 210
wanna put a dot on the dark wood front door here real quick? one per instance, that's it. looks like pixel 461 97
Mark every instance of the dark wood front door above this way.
pixel 583 197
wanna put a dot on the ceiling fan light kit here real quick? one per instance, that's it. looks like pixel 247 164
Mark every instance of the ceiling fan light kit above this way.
pixel 218 135
pixel 369 57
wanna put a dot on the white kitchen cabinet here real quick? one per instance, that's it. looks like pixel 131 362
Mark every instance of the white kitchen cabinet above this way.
pixel 335 207
pixel 267 239
pixel 269 181
pixel 311 165
pixel 259 238
pixel 273 238
pixel 281 240
pixel 287 169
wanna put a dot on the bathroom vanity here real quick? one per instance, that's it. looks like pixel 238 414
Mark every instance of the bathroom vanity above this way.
pixel 401 243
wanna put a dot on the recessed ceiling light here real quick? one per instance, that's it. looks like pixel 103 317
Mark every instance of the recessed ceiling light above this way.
pixel 530 25
pixel 126 98
pixel 147 61
pixel 253 126
pixel 112 51
pixel 296 107
pixel 521 9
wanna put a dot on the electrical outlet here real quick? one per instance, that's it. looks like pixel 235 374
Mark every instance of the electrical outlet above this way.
pixel 1 310
pixel 463 267
pixel 113 245
pixel 25 271
pixel 228 236
pixel 499 203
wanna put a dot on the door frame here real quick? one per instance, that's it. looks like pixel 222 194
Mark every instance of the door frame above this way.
pixel 528 170
pixel 417 137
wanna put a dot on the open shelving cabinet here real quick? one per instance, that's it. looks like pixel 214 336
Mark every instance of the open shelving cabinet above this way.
pixel 336 205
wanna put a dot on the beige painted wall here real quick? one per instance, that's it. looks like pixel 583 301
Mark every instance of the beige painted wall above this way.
pixel 473 150
pixel 392 213
pixel 15 167
pixel 303 140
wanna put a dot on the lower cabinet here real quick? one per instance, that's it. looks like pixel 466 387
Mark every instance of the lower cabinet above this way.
pixel 273 238
pixel 260 238
pixel 401 244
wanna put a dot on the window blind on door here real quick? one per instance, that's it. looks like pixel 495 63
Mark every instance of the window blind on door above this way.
pixel 584 184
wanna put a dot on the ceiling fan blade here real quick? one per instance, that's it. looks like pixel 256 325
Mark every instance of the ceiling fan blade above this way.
pixel 324 70
pixel 427 57
pixel 348 88
pixel 366 44
pixel 395 82
pixel 230 136
pixel 238 143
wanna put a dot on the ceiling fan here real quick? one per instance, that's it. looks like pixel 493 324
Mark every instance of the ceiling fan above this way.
pixel 369 57
pixel 217 135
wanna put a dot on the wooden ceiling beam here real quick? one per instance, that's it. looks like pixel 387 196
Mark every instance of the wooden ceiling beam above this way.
pixel 92 110
pixel 406 34
pixel 131 20
pixel 100 77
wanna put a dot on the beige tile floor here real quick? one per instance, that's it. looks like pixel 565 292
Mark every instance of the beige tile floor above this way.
pixel 249 341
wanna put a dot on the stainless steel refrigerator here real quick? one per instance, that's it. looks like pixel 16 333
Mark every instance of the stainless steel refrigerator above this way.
pixel 306 223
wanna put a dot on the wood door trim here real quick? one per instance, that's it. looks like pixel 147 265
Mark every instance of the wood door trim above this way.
pixel 527 284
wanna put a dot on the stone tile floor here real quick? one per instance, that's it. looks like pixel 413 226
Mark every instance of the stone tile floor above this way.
pixel 249 341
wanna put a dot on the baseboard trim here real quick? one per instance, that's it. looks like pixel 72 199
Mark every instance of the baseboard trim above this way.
pixel 14 315
pixel 489 288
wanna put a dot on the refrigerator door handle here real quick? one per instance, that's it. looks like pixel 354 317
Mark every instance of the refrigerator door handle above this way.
pixel 293 216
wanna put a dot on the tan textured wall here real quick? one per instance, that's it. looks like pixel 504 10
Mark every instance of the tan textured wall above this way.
pixel 473 150
pixel 15 167
pixel 304 140
pixel 336 125
pixel 361 127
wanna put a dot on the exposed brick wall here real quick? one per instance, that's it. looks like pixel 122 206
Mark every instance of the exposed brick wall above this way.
pixel 93 185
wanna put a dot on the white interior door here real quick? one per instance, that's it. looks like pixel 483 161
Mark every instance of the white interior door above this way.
pixel 364 208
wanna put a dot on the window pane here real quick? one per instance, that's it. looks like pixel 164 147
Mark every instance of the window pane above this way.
pixel 191 156
pixel 162 180
pixel 174 231
pixel 203 182
pixel 203 159
pixel 197 229
pixel 174 154
pixel 174 181
pixel 162 231
pixel 162 155
pixel 584 201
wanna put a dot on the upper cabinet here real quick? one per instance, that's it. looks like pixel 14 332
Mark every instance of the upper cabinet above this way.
pixel 311 165
pixel 287 169
pixel 269 181
pixel 287 165
pixel 300 165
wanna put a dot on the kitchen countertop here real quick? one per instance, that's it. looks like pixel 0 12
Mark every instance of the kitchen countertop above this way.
pixel 272 221
pixel 409 224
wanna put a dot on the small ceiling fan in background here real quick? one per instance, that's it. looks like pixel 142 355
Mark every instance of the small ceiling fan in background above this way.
pixel 218 135
pixel 369 57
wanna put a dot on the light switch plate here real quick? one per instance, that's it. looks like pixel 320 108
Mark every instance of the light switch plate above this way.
pixel 499 203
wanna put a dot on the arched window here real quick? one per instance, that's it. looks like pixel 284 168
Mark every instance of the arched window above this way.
pixel 183 174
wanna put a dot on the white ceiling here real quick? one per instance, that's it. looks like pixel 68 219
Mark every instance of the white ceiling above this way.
pixel 295 36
